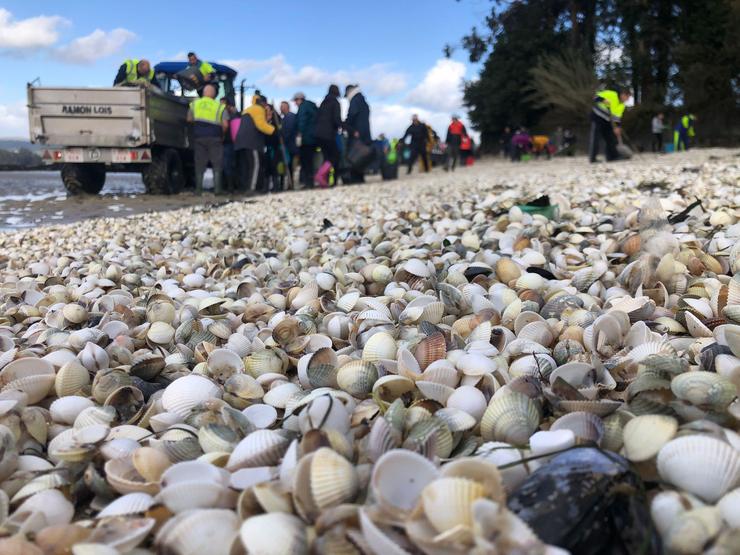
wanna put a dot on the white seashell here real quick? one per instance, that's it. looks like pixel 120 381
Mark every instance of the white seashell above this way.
pixel 199 531
pixel 667 505
pixel 186 392
pixel 645 435
pixel 129 504
pixel 702 465
pixel 261 415
pixel 546 442
pixel 729 508
pixel 260 448
pixel 186 495
pixel 66 409
pixel 247 477
pixel 502 454
pixel 475 365
pixel 398 478
pixel 93 357
pixel 279 396
pixel 469 399
pixel 291 540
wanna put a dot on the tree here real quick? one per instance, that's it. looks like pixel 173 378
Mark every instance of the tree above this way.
pixel 519 36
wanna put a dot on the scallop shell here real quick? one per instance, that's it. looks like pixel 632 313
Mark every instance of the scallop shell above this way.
pixel 65 410
pixel 447 502
pixel 511 418
pixel 186 392
pixel 645 435
pixel 381 345
pixel 129 504
pixel 333 479
pixel 292 539
pixel 357 378
pixel 587 427
pixel 702 465
pixel 200 531
pixel 729 507
pixel 260 448
pixel 704 388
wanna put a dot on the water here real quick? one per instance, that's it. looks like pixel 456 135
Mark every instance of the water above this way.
pixel 29 199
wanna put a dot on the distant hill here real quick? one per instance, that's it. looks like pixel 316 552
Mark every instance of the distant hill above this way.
pixel 15 144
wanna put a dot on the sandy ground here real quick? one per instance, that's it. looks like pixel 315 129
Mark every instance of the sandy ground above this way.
pixel 38 198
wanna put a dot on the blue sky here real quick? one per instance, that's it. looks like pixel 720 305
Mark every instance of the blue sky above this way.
pixel 392 48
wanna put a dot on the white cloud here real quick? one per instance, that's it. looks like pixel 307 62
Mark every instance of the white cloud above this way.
pixel 377 79
pixel 98 44
pixel 14 120
pixel 27 34
pixel 441 88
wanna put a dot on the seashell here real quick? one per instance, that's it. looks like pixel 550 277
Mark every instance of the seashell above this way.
pixel 260 415
pixel 186 392
pixel 552 441
pixel 66 409
pixel 729 508
pixel 398 478
pixel 50 505
pixel 93 357
pixel 447 502
pixel 129 504
pixel 380 346
pixel 333 479
pixel 74 313
pixel 469 399
pixel 260 448
pixel 511 418
pixel 704 466
pixel 187 495
pixel 645 435
pixel 199 531
pixel 587 427
pixel 693 529
pixel 279 395
pixel 357 378
pixel 292 539
pixel 704 388
pixel 475 365
pixel 71 379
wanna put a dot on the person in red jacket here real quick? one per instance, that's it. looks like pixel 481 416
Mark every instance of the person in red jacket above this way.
pixel 455 133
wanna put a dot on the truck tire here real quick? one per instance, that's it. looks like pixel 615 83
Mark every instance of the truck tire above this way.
pixel 164 176
pixel 83 179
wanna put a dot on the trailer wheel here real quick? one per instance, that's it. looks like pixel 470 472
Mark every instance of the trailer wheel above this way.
pixel 164 176
pixel 81 179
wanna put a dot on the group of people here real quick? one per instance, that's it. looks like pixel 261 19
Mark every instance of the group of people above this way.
pixel 520 144
pixel 261 148
pixel 683 132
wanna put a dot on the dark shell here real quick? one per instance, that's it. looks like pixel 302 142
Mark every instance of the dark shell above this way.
pixel 709 353
pixel 587 501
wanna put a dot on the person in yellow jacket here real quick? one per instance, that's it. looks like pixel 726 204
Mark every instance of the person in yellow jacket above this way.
pixel 249 144
pixel 683 132
pixel 209 125
pixel 606 122
pixel 134 72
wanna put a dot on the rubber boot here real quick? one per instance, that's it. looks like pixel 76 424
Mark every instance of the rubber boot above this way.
pixel 218 187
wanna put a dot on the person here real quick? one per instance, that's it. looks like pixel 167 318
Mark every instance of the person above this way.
pixel 134 72
pixel 657 127
pixel 389 162
pixel 467 150
pixel 569 143
pixel 541 145
pixel 606 122
pixel 357 126
pixel 288 130
pixel 380 146
pixel 207 116
pixel 683 131
pixel 273 161
pixel 230 174
pixel 418 133
pixel 455 133
pixel 505 142
pixel 250 143
pixel 206 69
pixel 521 143
pixel 305 139
pixel 426 163
pixel 328 122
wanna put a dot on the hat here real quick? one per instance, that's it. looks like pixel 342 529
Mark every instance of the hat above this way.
pixel 455 116
pixel 299 95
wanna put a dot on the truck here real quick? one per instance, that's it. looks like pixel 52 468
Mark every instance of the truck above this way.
pixel 90 131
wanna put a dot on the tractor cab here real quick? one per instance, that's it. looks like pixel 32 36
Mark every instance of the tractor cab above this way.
pixel 171 78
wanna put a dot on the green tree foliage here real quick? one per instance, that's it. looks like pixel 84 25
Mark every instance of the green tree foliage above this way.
pixel 541 57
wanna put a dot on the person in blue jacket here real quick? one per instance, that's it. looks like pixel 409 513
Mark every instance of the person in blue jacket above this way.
pixel 305 139
pixel 683 132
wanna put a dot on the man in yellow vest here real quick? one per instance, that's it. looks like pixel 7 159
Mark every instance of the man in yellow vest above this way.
pixel 209 125
pixel 206 70
pixel 683 132
pixel 134 72
pixel 606 122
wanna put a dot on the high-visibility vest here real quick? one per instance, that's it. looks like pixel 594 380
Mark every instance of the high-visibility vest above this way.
pixel 205 68
pixel 392 156
pixel 132 73
pixel 608 105
pixel 687 123
pixel 207 110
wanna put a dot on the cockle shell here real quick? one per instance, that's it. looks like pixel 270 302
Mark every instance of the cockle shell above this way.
pixel 511 418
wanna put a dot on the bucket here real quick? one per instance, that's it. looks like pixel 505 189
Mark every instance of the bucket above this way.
pixel 669 147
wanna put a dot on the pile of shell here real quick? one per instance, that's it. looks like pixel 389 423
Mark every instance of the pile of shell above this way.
pixel 441 380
